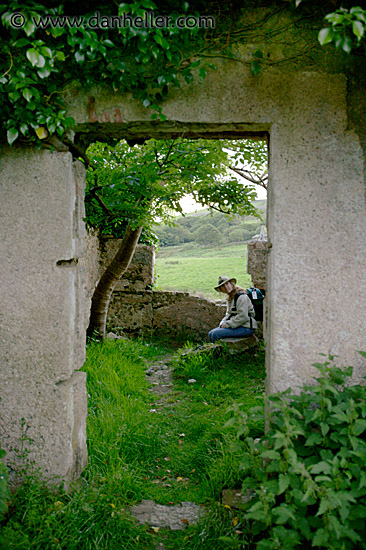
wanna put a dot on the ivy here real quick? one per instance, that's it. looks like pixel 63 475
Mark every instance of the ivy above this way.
pixel 346 30
pixel 44 52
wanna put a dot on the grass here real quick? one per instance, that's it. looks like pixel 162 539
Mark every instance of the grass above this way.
pixel 137 451
pixel 195 269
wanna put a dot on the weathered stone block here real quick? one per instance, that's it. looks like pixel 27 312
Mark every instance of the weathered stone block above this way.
pixel 42 300
pixel 257 253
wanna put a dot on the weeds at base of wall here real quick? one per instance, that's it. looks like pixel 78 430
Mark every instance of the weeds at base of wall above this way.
pixel 138 451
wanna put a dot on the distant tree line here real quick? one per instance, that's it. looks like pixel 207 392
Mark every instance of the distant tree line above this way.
pixel 204 228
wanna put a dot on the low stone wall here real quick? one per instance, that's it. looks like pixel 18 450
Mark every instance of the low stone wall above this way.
pixel 136 309
pixel 164 312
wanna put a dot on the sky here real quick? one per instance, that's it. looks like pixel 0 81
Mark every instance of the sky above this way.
pixel 189 205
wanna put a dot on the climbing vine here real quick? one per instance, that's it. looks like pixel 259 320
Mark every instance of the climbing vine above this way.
pixel 46 52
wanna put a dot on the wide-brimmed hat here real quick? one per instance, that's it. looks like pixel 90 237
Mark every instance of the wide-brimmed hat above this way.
pixel 223 280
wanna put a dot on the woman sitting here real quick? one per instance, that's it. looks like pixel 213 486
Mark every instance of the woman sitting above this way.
pixel 239 320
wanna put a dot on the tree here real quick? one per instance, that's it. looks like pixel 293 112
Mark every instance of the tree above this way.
pixel 208 234
pixel 249 159
pixel 129 187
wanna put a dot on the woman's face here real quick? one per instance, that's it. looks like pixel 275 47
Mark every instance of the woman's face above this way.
pixel 227 287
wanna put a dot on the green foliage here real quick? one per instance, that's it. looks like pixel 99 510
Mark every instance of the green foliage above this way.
pixel 139 449
pixel 4 489
pixel 346 30
pixel 138 184
pixel 232 229
pixel 306 478
pixel 41 57
pixel 208 234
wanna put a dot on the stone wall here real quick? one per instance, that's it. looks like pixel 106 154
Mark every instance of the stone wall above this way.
pixel 164 312
pixel 43 310
pixel 137 310
pixel 257 253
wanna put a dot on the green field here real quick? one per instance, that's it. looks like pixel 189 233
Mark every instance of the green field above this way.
pixel 195 269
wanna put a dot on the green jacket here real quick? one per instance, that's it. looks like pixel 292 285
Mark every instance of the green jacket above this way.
pixel 239 316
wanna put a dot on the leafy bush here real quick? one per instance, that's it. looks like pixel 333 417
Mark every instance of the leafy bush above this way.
pixel 306 480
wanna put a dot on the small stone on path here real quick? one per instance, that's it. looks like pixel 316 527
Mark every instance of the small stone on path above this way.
pixel 174 517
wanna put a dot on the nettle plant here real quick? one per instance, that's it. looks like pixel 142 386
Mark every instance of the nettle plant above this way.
pixel 306 479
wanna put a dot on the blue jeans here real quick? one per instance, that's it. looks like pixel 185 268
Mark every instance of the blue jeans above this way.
pixel 222 333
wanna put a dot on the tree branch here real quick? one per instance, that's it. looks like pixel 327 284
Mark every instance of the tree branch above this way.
pixel 248 176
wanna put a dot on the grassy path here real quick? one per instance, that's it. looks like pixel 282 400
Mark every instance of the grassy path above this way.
pixel 168 447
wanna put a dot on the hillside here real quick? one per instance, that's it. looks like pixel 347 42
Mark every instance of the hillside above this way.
pixel 200 247
pixel 204 228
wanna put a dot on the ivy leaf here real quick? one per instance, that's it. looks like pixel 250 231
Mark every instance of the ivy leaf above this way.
pixel 24 128
pixel 80 57
pixel 12 135
pixel 29 27
pixel 41 132
pixel 32 55
pixel 27 94
pixel 44 73
pixel 46 52
pixel 358 29
pixel 325 35
pixel 346 44
pixel 255 67
pixel 60 56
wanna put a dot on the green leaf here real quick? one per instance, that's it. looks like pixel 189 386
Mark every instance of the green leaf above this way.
pixel 46 52
pixel 359 426
pixel 29 27
pixel 230 542
pixel 272 455
pixel 27 94
pixel 80 57
pixel 358 29
pixel 258 54
pixel 33 56
pixel 283 482
pixel 24 128
pixel 43 73
pixel 326 35
pixel 321 538
pixel 60 56
pixel 321 467
pixel 346 44
pixel 12 135
pixel 255 67
pixel 324 428
pixel 283 513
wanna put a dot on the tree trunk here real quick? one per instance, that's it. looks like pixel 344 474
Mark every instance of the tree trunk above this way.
pixel 104 289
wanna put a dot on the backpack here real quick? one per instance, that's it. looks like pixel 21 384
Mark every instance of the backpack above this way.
pixel 256 296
